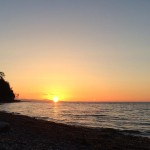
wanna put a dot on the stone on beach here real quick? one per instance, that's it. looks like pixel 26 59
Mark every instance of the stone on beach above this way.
pixel 4 126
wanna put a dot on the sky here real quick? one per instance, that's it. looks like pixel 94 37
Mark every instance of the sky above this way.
pixel 81 50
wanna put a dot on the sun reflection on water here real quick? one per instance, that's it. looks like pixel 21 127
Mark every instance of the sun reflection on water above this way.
pixel 55 108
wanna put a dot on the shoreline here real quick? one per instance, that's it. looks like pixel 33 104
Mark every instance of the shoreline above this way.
pixel 30 133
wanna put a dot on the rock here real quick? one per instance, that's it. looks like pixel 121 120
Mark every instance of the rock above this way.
pixel 4 126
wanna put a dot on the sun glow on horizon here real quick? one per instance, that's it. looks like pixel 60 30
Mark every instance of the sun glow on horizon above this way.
pixel 55 99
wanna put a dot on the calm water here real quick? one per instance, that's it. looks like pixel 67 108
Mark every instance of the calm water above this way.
pixel 124 116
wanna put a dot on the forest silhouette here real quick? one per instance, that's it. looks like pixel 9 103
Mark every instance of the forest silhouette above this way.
pixel 6 92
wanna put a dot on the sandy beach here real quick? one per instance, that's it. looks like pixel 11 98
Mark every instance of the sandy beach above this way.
pixel 30 133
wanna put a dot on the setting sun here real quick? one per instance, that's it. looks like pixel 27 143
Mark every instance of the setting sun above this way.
pixel 55 99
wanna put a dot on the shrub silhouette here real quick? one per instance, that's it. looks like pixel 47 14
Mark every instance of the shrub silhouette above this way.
pixel 6 92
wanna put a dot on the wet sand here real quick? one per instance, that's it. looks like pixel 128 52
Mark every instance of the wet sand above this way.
pixel 28 133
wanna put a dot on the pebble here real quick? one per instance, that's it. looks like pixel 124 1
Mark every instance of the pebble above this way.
pixel 4 126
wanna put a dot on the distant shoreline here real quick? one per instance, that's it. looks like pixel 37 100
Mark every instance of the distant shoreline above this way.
pixel 30 133
pixel 63 101
pixel 14 101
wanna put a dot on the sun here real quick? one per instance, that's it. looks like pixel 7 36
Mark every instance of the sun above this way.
pixel 55 99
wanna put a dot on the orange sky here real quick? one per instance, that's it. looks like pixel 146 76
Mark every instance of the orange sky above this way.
pixel 78 51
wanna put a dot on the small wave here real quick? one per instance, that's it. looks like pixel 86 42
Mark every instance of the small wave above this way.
pixel 90 115
pixel 144 123
pixel 148 131
pixel 132 131
pixel 98 115
pixel 16 113
pixel 137 133
pixel 43 118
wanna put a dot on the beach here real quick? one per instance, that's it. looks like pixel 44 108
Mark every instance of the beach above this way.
pixel 31 133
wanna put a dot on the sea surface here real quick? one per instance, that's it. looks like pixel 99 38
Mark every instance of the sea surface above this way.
pixel 132 118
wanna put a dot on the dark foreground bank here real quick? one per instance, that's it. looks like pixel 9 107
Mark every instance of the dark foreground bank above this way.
pixel 29 133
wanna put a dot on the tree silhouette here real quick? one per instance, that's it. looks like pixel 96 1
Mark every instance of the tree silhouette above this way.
pixel 6 92
pixel 2 75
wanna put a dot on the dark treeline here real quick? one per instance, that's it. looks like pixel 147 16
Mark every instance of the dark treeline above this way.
pixel 6 92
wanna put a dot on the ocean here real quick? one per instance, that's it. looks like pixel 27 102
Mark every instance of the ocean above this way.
pixel 131 118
